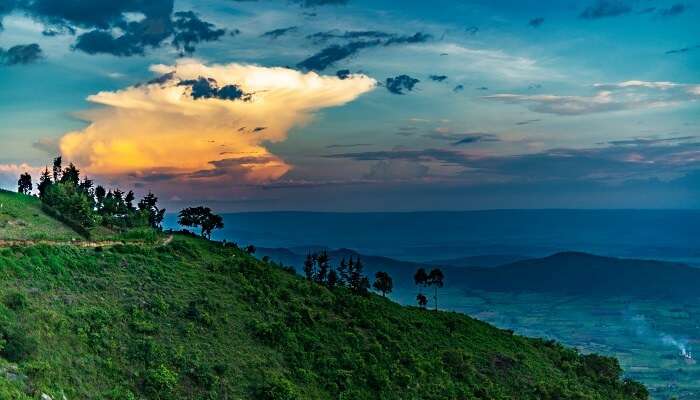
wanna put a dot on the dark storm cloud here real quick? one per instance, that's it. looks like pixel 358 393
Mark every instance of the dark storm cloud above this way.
pixel 398 84
pixel 676 9
pixel 337 52
pixel 527 122
pixel 207 88
pixel 458 88
pixel 276 33
pixel 190 30
pixel 101 21
pixel 20 55
pixel 536 22
pixel 438 78
pixel 332 54
pixel 605 9
pixel 463 138
pixel 320 37
pixel 472 30
pixel 343 74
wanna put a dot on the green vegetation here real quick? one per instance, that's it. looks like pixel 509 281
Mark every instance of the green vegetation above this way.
pixel 195 319
pixel 22 218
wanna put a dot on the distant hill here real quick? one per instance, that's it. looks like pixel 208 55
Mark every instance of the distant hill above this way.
pixel 586 274
pixel 486 261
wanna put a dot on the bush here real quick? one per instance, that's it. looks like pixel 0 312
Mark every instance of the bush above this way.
pixel 18 344
pixel 277 389
pixel 15 300
pixel 160 381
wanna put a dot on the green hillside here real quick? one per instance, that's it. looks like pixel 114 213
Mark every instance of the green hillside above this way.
pixel 192 319
pixel 21 218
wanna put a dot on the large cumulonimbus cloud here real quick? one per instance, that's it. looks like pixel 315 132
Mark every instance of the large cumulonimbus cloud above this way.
pixel 202 121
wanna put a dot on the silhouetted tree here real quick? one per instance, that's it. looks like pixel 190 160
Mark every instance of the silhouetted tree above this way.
pixel 202 217
pixel 71 175
pixel 100 194
pixel 57 168
pixel 332 281
pixel 250 249
pixel 343 275
pixel 309 265
pixel 44 182
pixel 86 185
pixel 383 283
pixel 24 184
pixel 322 271
pixel 436 279
pixel 421 277
pixel 149 205
pixel 422 300
pixel 129 200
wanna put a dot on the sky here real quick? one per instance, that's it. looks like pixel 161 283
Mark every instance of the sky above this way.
pixel 358 105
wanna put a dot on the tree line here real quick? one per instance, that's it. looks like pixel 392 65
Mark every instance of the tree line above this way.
pixel 350 274
pixel 84 205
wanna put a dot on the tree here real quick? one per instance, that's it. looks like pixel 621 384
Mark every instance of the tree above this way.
pixel 322 263
pixel 202 217
pixel 44 182
pixel 332 279
pixel 129 200
pixel 343 275
pixel 250 249
pixel 71 175
pixel 57 168
pixel 309 269
pixel 422 300
pixel 421 277
pixel 383 283
pixel 436 279
pixel 149 205
pixel 100 194
pixel 24 184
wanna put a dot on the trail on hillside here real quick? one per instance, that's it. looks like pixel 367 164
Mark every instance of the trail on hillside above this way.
pixel 77 243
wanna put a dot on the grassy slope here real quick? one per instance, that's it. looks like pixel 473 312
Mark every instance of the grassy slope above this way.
pixel 21 218
pixel 194 320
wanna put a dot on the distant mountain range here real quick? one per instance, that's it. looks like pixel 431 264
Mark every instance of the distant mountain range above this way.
pixel 571 273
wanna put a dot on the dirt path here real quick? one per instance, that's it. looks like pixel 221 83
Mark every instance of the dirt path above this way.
pixel 77 243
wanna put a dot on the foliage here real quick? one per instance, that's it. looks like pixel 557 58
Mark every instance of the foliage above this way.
pixel 201 320
pixel 201 217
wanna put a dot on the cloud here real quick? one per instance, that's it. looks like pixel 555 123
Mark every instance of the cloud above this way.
pixel 171 127
pixel 605 9
pixel 674 10
pixel 462 138
pixel 458 88
pixel 361 40
pixel 438 78
pixel 332 54
pixel 626 95
pixel 398 84
pixel 396 170
pixel 527 122
pixel 536 22
pixel 47 145
pixel 20 55
pixel 683 50
pixel 118 27
pixel 190 30
pixel 341 146
pixel 613 164
pixel 276 33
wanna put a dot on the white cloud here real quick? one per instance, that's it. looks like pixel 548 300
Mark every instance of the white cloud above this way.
pixel 160 127
pixel 626 95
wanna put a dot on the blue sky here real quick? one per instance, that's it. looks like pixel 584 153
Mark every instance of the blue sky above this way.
pixel 441 105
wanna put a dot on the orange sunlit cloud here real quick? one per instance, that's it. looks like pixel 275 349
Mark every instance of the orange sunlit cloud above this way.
pixel 160 127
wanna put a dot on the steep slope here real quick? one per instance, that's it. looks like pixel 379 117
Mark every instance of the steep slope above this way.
pixel 197 320
pixel 586 274
pixel 21 218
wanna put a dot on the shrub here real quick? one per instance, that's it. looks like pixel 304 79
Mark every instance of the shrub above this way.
pixel 160 381
pixel 277 389
pixel 19 345
pixel 15 300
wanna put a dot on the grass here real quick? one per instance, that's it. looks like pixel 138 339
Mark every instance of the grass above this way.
pixel 21 218
pixel 197 320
